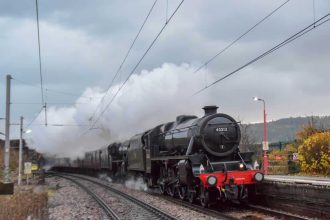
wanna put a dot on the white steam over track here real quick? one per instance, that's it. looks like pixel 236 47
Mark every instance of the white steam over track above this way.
pixel 149 98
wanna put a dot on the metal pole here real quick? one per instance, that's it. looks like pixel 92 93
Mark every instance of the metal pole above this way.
pixel 7 178
pixel 265 141
pixel 20 153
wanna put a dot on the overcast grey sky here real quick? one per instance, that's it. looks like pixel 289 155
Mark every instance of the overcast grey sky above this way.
pixel 83 43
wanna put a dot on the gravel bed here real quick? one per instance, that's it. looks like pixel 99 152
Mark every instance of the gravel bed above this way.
pixel 124 208
pixel 68 201
pixel 138 190
pixel 175 210
pixel 179 211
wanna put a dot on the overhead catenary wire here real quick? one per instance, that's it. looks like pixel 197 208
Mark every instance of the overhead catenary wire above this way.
pixel 239 37
pixel 314 10
pixel 54 91
pixel 50 124
pixel 50 103
pixel 137 64
pixel 69 94
pixel 36 116
pixel 166 10
pixel 40 66
pixel 55 125
pixel 125 58
pixel 293 37
pixel 39 53
pixel 45 114
pixel 68 125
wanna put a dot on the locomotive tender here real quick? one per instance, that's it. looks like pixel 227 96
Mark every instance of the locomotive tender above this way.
pixel 192 158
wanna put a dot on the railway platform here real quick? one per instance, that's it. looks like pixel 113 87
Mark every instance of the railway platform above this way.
pixel 309 196
pixel 315 181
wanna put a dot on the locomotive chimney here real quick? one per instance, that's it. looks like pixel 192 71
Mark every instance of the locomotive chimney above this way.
pixel 211 109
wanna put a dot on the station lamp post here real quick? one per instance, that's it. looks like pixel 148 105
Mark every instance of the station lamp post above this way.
pixel 264 143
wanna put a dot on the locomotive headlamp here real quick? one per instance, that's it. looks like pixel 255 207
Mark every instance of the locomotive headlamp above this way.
pixel 241 166
pixel 259 177
pixel 212 180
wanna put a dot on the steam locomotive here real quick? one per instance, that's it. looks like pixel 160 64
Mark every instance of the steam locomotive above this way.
pixel 191 158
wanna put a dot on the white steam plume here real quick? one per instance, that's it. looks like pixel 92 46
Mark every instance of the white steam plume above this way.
pixel 105 177
pixel 137 184
pixel 148 99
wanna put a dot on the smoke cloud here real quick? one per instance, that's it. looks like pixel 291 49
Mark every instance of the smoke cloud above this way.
pixel 148 99
pixel 156 96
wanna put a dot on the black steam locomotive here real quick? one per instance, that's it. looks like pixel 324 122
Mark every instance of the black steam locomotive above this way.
pixel 192 158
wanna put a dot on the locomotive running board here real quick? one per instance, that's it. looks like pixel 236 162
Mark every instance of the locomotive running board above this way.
pixel 170 158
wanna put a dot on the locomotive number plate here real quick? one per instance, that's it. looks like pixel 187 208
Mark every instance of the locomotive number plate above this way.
pixel 221 129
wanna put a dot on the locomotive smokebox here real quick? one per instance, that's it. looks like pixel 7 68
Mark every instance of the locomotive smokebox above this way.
pixel 210 110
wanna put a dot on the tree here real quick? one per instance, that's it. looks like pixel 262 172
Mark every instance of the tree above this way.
pixel 314 153
pixel 247 141
pixel 308 130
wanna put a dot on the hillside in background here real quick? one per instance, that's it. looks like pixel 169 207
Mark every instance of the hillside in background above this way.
pixel 284 129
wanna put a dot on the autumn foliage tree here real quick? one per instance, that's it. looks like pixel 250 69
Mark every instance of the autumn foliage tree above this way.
pixel 314 153
pixel 314 149
pixel 307 131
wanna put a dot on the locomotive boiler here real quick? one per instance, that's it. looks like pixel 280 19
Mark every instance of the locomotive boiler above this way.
pixel 217 135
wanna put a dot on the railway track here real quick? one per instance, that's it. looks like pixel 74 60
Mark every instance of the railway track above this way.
pixel 145 210
pixel 108 211
pixel 277 213
pixel 225 212
pixel 198 208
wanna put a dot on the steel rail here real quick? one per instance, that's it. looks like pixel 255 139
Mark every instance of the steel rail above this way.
pixel 198 208
pixel 216 213
pixel 208 211
pixel 109 212
pixel 277 213
pixel 156 211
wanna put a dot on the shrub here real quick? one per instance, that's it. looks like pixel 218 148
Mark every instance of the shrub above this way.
pixel 27 201
pixel 314 154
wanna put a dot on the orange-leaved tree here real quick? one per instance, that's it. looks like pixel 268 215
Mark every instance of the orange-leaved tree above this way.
pixel 314 153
